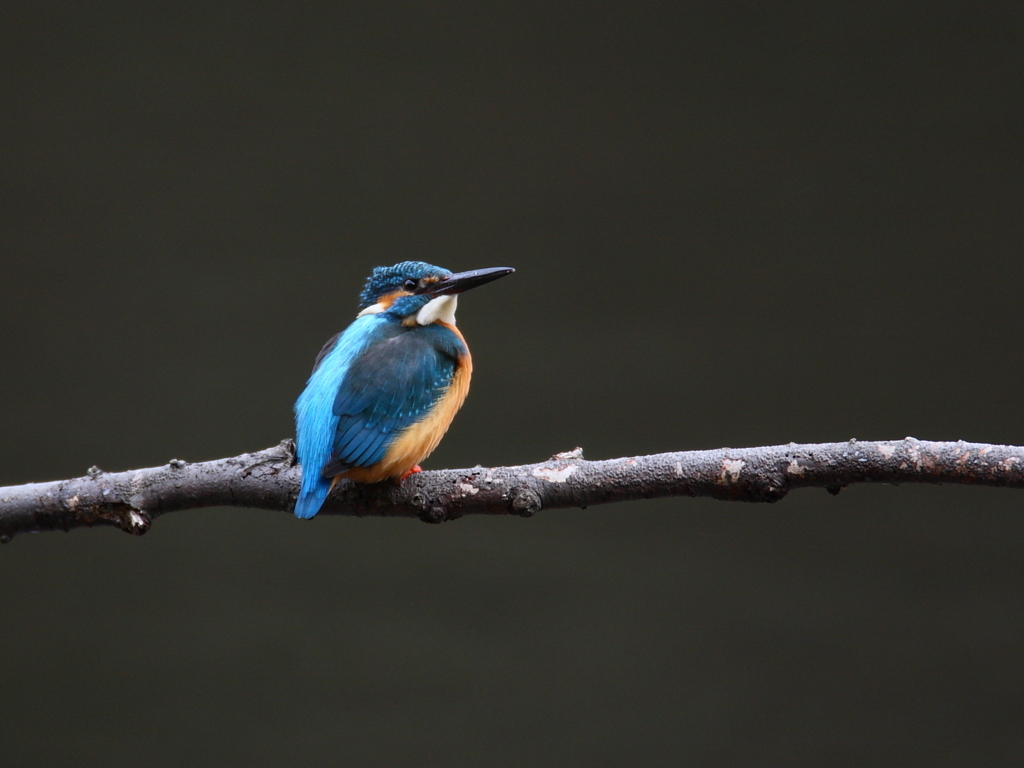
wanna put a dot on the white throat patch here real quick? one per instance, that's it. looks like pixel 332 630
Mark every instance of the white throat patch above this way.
pixel 441 308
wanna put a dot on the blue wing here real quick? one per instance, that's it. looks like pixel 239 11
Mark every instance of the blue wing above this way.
pixel 391 386
pixel 369 383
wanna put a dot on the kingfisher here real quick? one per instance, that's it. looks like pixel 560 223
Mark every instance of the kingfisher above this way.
pixel 385 390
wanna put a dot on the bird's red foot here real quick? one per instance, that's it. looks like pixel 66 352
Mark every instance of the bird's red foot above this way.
pixel 416 468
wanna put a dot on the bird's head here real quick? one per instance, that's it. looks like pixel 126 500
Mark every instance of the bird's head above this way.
pixel 420 293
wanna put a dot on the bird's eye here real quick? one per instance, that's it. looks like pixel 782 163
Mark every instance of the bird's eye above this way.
pixel 409 285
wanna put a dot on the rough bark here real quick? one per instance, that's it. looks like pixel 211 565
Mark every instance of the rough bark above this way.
pixel 269 479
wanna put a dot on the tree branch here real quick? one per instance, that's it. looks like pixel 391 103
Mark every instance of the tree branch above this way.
pixel 269 479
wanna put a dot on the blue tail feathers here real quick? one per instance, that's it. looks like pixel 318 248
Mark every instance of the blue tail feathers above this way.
pixel 315 421
pixel 311 498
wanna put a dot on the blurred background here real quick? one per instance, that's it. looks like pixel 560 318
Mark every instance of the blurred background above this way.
pixel 732 224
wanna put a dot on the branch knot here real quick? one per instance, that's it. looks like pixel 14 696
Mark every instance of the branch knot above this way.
pixel 526 502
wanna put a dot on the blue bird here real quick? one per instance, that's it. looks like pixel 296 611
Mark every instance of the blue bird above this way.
pixel 384 391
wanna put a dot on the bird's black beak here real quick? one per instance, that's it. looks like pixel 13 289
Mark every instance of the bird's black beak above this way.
pixel 463 281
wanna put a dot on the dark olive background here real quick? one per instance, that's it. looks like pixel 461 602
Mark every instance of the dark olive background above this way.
pixel 732 224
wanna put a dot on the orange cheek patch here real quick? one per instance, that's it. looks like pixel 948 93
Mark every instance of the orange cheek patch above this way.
pixel 389 298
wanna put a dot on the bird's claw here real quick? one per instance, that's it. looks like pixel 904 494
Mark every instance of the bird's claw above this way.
pixel 416 468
